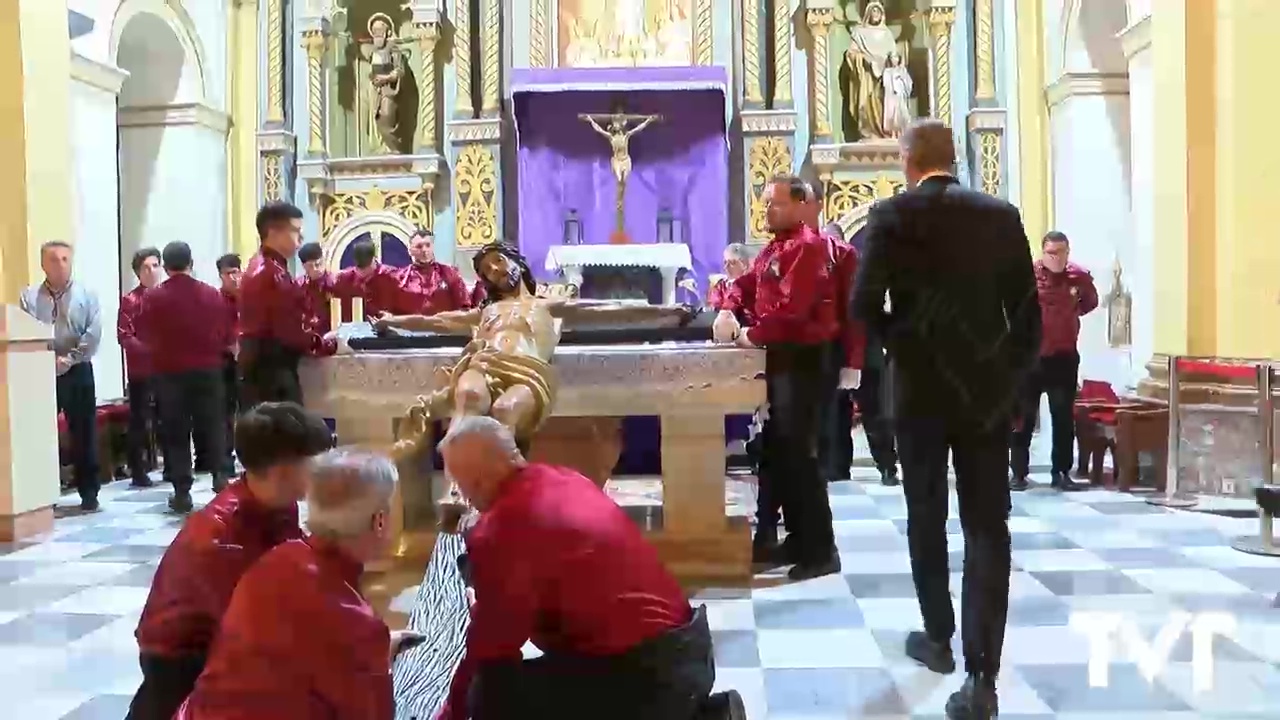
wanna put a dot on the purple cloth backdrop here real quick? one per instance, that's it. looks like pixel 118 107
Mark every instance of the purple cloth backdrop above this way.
pixel 680 164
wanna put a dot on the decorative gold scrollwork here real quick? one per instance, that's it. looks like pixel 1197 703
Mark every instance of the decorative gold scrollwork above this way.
pixel 476 184
pixel 845 196
pixel 769 156
pixel 412 205
pixel 989 161
pixel 272 177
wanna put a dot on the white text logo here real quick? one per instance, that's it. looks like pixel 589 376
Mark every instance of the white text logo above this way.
pixel 1102 629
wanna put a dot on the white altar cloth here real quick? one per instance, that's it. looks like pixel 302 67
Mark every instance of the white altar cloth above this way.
pixel 668 258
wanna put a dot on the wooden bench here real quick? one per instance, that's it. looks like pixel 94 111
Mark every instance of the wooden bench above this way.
pixel 1125 427
pixel 422 674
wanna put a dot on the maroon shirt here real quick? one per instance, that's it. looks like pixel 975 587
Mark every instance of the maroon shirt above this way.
pixel 789 291
pixel 316 293
pixel 232 301
pixel 184 324
pixel 555 561
pixel 274 308
pixel 1064 298
pixel 431 288
pixel 137 361
pixel 298 642
pixel 853 333
pixel 478 294
pixel 193 584
pixel 379 289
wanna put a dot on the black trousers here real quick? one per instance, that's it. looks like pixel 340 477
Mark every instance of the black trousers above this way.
pixel 225 465
pixel 142 419
pixel 835 450
pixel 983 492
pixel 1055 376
pixel 667 678
pixel 268 373
pixel 876 422
pixel 78 402
pixel 800 381
pixel 166 682
pixel 192 403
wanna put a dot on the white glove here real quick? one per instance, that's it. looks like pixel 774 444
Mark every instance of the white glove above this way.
pixel 725 328
pixel 850 379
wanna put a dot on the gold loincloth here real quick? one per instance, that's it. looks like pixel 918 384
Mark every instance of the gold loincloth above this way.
pixel 503 371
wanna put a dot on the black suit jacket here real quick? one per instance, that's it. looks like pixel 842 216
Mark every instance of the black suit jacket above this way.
pixel 963 325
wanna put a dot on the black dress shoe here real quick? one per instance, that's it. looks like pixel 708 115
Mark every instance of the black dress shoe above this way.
pixel 1062 481
pixel 889 476
pixel 807 570
pixel 219 483
pixel 89 505
pixel 975 700
pixel 142 481
pixel 932 654
pixel 725 705
pixel 1019 483
pixel 766 551
pixel 180 502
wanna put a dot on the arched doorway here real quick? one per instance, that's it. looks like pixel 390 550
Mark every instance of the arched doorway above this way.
pixel 172 145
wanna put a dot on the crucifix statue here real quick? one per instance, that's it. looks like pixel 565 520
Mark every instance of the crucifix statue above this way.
pixel 618 128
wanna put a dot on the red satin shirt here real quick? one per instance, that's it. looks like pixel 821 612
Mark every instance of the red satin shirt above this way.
pixel 379 289
pixel 136 360
pixel 299 642
pixel 184 325
pixel 1064 298
pixel 853 333
pixel 478 294
pixel 274 308
pixel 555 561
pixel 193 585
pixel 431 288
pixel 789 291
pixel 232 301
pixel 316 293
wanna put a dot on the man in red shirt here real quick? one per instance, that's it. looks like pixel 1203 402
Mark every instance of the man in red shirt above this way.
pixel 376 284
pixel 554 561
pixel 216 545
pixel 275 327
pixel 142 391
pixel 185 327
pixel 1066 293
pixel 298 640
pixel 316 284
pixel 229 281
pixel 426 285
pixel 789 290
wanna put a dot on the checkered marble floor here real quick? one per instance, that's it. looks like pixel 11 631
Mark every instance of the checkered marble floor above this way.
pixel 818 650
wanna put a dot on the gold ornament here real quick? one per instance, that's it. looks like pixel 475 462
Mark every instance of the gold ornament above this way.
pixel 940 22
pixel 476 186
pixel 768 157
pixel 412 205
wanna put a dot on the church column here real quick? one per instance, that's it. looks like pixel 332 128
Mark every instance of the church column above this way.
pixel 781 54
pixel 819 20
pixel 277 144
pixel 942 17
pixel 426 137
pixel 315 39
pixel 474 138
pixel 243 187
pixel 1140 276
pixel 540 24
pixel 986 121
pixel 491 57
pixel 703 33
pixel 35 129
pixel 752 87
pixel 1034 159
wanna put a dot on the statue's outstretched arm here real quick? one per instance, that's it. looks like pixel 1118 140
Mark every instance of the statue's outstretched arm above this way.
pixel 643 124
pixel 597 311
pixel 594 125
pixel 456 322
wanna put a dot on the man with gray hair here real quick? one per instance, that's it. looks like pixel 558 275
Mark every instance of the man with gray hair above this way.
pixel 555 561
pixel 300 608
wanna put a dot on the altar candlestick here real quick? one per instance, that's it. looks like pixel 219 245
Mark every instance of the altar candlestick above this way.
pixel 357 310
pixel 335 313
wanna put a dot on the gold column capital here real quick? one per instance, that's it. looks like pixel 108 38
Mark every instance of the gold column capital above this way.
pixel 819 20
pixel 941 19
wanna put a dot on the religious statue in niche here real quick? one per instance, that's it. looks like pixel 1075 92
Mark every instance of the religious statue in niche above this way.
pixel 505 371
pixel 386 63
pixel 877 82
pixel 1119 304
pixel 618 131
pixel 625 33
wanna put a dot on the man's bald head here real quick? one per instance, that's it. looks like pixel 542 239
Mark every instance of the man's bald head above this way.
pixel 927 148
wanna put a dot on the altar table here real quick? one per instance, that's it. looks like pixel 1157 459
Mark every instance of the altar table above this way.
pixel 689 386
pixel 668 258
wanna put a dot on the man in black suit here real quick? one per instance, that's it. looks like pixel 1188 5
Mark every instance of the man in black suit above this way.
pixel 946 279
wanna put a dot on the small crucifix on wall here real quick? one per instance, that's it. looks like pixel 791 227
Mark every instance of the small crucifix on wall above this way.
pixel 1119 310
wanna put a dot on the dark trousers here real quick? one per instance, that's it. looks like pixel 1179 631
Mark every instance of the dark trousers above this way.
pixel 836 446
pixel 225 465
pixel 983 492
pixel 876 422
pixel 799 380
pixel 142 421
pixel 192 403
pixel 666 678
pixel 1055 376
pixel 268 373
pixel 166 682
pixel 78 402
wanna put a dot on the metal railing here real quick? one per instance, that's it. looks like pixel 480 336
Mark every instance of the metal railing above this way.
pixel 1175 496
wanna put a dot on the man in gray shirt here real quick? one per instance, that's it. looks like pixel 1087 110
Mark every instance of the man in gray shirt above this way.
pixel 72 309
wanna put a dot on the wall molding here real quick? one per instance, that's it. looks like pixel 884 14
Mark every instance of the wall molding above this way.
pixel 99 75
pixel 1077 84
pixel 176 115
pixel 1135 38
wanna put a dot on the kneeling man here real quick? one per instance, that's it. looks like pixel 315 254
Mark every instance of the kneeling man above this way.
pixel 553 560
pixel 275 442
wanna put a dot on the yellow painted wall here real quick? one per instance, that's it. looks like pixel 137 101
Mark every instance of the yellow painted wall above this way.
pixel 242 147
pixel 1033 123
pixel 14 268
pixel 1247 241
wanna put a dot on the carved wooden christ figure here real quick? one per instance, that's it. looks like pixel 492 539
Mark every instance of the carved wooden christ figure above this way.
pixel 505 371
pixel 386 70
pixel 618 131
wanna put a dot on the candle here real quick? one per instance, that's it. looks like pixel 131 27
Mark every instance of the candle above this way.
pixel 357 310
pixel 335 313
